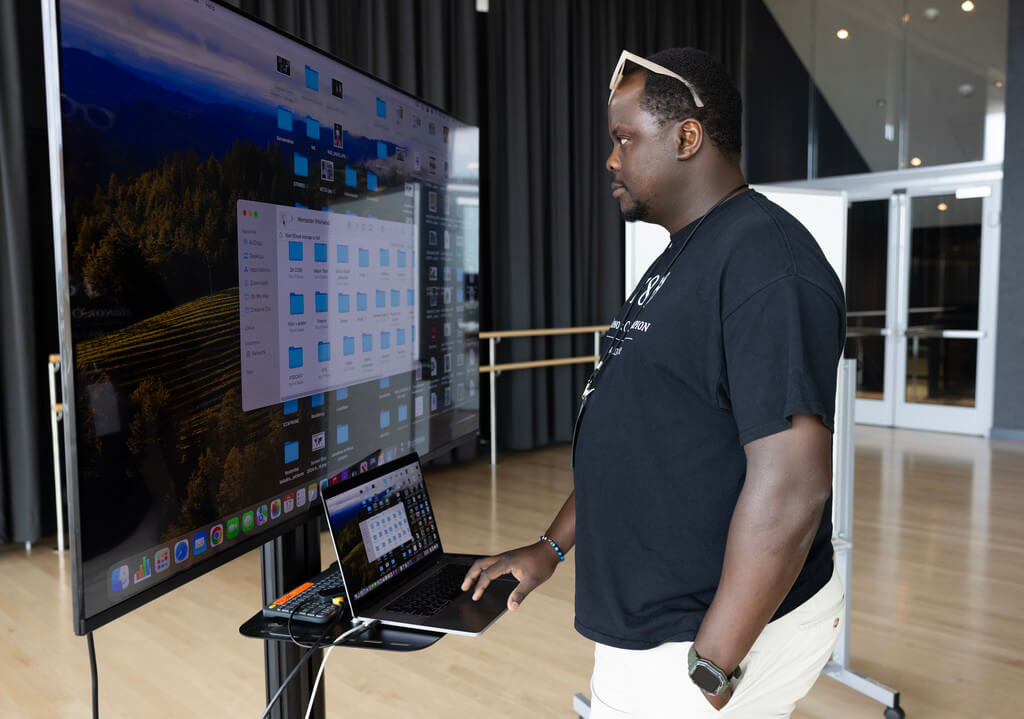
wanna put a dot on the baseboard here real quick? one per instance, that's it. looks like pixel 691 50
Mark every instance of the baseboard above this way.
pixel 1001 433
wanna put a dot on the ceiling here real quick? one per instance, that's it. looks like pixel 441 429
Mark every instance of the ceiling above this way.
pixel 925 65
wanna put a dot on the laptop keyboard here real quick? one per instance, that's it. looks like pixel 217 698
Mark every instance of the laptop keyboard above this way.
pixel 433 595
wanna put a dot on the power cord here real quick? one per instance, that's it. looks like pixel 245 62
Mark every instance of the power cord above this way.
pixel 95 680
pixel 309 652
pixel 320 672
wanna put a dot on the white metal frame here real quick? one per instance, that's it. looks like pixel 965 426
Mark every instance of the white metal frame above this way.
pixel 900 187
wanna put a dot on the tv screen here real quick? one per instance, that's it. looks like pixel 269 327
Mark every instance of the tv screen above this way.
pixel 271 281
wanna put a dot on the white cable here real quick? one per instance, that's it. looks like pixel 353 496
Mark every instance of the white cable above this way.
pixel 320 672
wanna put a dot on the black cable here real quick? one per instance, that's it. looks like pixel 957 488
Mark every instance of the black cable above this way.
pixel 291 636
pixel 95 681
pixel 298 664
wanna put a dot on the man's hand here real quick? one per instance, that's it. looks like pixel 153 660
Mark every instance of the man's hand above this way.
pixel 721 700
pixel 531 565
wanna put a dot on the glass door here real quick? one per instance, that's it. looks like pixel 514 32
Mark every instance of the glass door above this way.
pixel 945 300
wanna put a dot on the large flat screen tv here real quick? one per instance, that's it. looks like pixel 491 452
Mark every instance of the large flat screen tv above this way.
pixel 267 275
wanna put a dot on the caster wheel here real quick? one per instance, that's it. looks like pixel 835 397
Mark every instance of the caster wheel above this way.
pixel 894 713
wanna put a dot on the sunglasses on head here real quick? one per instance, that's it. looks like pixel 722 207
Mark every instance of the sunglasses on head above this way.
pixel 651 67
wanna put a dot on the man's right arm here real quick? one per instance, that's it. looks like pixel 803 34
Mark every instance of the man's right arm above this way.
pixel 532 565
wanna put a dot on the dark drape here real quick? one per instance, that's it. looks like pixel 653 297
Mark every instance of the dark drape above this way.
pixel 556 245
pixel 27 288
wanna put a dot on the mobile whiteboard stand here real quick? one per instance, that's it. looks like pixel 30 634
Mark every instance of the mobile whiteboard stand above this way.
pixel 838 667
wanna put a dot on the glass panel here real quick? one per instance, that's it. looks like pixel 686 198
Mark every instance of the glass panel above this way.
pixel 956 71
pixel 940 370
pixel 867 255
pixel 858 71
pixel 945 267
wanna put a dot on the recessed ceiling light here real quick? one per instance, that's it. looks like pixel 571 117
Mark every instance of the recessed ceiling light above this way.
pixel 930 13
pixel 880 102
pixel 943 207
pixel 967 6
pixel 842 33
pixel 915 161
pixel 965 90
pixel 998 83
pixel 906 18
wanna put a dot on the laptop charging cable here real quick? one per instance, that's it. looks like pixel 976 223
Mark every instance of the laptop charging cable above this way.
pixel 362 626
pixel 309 652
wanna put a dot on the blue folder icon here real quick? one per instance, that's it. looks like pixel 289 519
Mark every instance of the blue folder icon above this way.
pixel 360 301
pixel 403 412
pixel 340 394
pixel 364 257
pixel 295 303
pixel 291 452
pixel 350 177
pixel 295 252
pixel 400 337
pixel 312 128
pixel 385 418
pixel 382 150
pixel 396 298
pixel 367 342
pixel 458 274
pixel 385 340
pixel 382 300
pixel 294 357
pixel 410 298
pixel 412 258
pixel 385 258
pixel 320 252
pixel 348 345
pixel 382 108
pixel 342 432
pixel 371 182
pixel 284 119
pixel 343 302
pixel 318 399
pixel 320 301
pixel 385 382
pixel 323 351
pixel 401 258
pixel 343 253
pixel 413 333
pixel 301 165
pixel 312 78
pixel 291 406
pixel 458 295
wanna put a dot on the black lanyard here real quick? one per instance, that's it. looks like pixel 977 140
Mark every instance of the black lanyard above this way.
pixel 620 332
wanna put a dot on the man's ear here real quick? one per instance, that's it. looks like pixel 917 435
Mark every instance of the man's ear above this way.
pixel 689 138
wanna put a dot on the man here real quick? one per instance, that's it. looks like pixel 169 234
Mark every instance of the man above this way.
pixel 701 513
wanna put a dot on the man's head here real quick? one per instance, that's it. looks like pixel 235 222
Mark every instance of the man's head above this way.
pixel 661 141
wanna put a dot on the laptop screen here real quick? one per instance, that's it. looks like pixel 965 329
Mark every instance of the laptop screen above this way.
pixel 382 526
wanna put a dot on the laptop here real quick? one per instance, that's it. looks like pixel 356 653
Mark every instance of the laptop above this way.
pixel 391 560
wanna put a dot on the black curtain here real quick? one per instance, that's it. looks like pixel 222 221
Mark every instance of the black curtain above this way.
pixel 555 242
pixel 27 287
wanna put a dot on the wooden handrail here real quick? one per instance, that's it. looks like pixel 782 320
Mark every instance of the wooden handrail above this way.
pixel 544 333
pixel 537 363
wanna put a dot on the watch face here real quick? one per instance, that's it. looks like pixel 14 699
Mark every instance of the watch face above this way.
pixel 707 680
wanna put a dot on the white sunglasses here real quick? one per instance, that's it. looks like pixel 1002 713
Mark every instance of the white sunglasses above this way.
pixel 647 65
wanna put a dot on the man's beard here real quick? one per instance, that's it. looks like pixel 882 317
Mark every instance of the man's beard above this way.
pixel 637 213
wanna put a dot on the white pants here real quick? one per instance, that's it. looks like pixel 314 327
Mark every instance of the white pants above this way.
pixel 780 669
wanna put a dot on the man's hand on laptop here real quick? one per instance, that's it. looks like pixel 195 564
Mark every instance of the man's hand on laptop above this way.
pixel 532 565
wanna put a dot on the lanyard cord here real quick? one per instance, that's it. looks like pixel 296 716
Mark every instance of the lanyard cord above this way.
pixel 619 336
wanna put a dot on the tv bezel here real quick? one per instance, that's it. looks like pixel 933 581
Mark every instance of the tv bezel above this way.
pixel 53 79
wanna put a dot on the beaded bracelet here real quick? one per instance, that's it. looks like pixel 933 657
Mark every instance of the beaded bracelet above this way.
pixel 549 540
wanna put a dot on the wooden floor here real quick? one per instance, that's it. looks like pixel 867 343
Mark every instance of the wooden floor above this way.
pixel 937 602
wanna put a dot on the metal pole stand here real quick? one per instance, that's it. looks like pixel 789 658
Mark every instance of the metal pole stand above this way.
pixel 286 562
pixel 842 541
pixel 56 415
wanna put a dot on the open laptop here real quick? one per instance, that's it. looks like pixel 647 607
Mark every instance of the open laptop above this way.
pixel 390 555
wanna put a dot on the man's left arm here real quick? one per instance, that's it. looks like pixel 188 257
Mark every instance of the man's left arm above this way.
pixel 788 481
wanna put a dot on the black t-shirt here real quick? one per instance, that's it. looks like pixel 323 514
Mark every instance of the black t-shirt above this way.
pixel 742 331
